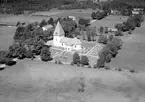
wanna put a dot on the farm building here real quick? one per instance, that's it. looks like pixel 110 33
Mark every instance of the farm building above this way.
pixel 72 17
pixel 45 28
pixel 59 40
pixel 112 29
pixel 136 11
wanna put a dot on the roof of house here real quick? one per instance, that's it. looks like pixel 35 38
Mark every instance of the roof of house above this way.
pixel 47 26
pixel 70 41
pixel 58 30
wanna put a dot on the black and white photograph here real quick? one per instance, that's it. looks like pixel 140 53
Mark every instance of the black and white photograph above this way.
pixel 72 50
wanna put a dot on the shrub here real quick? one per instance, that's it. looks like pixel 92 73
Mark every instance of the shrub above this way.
pixel 130 32
pixel 76 58
pixel 43 23
pixel 84 22
pixel 108 58
pixel 101 30
pixel 106 30
pixel 84 60
pixel 45 54
pixel 132 70
pixel 10 62
pixel 29 54
pixel 101 62
pixel 102 39
pixel 118 33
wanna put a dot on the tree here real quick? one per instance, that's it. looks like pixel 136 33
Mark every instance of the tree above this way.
pixel 68 27
pixel 76 58
pixel 93 15
pixel 112 49
pixel 118 33
pixel 106 30
pixel 102 39
pixel 45 54
pixel 29 54
pixel 18 23
pixel 19 33
pixel 117 42
pixel 84 22
pixel 43 23
pixel 17 50
pixel 84 60
pixel 101 30
pixel 101 62
pixel 3 56
pixel 50 21
pixel 110 38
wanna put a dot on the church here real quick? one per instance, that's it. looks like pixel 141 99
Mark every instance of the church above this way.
pixel 59 40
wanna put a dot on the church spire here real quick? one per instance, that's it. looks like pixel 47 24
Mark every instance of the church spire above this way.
pixel 58 30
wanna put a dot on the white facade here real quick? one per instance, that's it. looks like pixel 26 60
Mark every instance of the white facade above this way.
pixel 59 40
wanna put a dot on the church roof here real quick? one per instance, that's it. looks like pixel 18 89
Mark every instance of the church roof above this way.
pixel 70 41
pixel 58 30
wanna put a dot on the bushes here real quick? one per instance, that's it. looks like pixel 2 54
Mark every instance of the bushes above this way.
pixel 110 50
pixel 45 54
pixel 102 39
pixel 76 58
pixel 84 60
pixel 10 62
pixel 99 15
pixel 118 33
pixel 130 24
pixel 84 22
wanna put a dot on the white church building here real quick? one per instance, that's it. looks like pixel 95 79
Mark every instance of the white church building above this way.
pixel 59 40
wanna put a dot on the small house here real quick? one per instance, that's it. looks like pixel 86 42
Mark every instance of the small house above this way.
pixel 45 28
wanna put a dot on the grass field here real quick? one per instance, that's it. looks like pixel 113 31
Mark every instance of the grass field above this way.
pixel 109 21
pixel 133 52
pixel 34 81
pixel 6 36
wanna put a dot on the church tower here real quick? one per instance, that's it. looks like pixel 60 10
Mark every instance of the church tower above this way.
pixel 58 34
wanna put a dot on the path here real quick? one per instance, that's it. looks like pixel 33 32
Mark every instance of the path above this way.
pixel 132 53
pixel 95 50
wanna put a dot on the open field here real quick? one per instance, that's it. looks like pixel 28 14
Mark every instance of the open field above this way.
pixel 109 21
pixel 6 36
pixel 132 54
pixel 13 19
pixel 32 81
